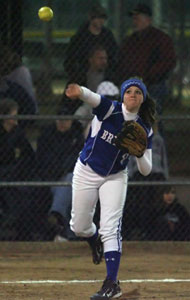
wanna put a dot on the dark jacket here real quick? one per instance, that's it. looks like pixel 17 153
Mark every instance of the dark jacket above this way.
pixel 16 155
pixel 172 222
pixel 149 54
pixel 57 152
pixel 27 105
pixel 76 56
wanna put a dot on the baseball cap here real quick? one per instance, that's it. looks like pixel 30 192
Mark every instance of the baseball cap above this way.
pixel 141 9
pixel 97 11
pixel 107 88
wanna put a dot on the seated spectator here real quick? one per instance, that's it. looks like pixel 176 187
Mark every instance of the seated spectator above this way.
pixel 16 164
pixel 171 220
pixel 91 33
pixel 108 89
pixel 57 150
pixel 98 70
pixel 16 83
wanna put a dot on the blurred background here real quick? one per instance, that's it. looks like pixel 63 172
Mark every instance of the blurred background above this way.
pixel 42 49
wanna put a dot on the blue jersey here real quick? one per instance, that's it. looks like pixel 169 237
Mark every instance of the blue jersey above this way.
pixel 99 150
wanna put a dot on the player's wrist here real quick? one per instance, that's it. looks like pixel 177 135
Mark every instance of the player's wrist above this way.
pixel 81 91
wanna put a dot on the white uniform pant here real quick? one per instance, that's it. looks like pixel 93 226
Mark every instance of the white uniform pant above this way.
pixel 111 190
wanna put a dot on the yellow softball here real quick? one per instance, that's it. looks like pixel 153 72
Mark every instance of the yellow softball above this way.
pixel 45 13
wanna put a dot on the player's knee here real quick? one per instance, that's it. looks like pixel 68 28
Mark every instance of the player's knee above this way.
pixel 78 230
pixel 81 231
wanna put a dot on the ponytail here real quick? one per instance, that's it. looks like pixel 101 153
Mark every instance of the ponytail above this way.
pixel 147 110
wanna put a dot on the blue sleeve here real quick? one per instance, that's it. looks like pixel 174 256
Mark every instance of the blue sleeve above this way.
pixel 149 132
pixel 149 142
pixel 101 110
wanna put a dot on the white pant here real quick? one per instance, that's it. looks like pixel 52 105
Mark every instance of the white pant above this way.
pixel 111 190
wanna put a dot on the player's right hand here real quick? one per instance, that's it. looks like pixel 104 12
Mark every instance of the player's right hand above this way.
pixel 73 91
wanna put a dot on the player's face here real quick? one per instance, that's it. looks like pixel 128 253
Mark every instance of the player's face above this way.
pixel 133 98
pixel 63 125
pixel 10 124
pixel 141 21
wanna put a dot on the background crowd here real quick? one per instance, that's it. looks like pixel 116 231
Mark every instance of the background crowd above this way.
pixel 93 59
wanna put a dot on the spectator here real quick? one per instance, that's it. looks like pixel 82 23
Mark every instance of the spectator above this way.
pixel 148 53
pixel 57 150
pixel 16 83
pixel 89 34
pixel 108 89
pixel 16 164
pixel 98 69
pixel 171 219
pixel 96 72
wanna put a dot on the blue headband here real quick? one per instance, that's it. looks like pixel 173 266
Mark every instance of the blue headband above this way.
pixel 133 82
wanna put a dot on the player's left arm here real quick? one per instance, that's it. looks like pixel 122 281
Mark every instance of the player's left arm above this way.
pixel 144 163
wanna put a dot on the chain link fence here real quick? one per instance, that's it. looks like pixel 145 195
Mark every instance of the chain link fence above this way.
pixel 97 47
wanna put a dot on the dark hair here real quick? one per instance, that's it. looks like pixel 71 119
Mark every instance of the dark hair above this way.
pixel 147 111
pixel 95 48
pixel 7 105
pixel 141 9
pixel 63 110
pixel 9 60
pixel 97 11
pixel 168 189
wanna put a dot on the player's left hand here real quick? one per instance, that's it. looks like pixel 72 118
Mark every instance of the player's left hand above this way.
pixel 73 91
pixel 132 139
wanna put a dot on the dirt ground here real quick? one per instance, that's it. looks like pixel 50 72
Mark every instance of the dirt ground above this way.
pixel 64 271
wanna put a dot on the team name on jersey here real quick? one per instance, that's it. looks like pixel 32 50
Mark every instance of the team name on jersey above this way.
pixel 107 136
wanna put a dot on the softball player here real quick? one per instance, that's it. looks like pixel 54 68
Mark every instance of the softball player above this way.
pixel 101 173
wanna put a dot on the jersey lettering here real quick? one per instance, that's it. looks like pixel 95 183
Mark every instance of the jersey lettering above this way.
pixel 107 136
pixel 104 135
pixel 110 137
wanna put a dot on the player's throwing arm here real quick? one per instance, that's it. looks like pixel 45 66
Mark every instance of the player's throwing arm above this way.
pixel 73 91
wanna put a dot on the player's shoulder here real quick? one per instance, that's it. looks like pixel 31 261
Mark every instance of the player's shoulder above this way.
pixel 117 106
pixel 114 103
pixel 146 126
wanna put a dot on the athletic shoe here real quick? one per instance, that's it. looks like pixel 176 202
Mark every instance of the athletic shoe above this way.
pixel 97 250
pixel 110 290
pixel 59 239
